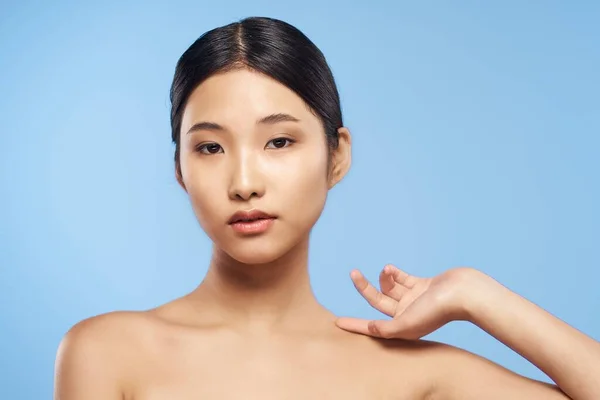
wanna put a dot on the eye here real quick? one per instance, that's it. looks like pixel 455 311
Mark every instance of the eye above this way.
pixel 279 143
pixel 210 148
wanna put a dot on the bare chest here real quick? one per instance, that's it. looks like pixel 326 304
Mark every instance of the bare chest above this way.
pixel 254 374
pixel 276 383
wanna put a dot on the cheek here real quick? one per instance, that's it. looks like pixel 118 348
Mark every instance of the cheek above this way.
pixel 207 195
pixel 304 186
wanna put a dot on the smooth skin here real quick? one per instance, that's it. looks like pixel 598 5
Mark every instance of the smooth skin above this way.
pixel 253 328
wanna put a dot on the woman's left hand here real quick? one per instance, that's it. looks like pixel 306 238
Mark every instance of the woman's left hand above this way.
pixel 418 306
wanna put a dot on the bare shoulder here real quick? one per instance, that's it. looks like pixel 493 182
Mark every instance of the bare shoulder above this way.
pixel 455 373
pixel 403 366
pixel 97 354
pixel 108 332
pixel 120 332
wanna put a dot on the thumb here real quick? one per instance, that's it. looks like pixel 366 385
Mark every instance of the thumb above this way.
pixel 393 328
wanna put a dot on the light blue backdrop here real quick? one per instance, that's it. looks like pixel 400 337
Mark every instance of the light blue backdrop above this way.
pixel 476 142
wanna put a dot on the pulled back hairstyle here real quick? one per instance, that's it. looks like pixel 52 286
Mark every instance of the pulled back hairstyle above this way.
pixel 265 45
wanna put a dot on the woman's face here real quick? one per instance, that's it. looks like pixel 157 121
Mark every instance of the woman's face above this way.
pixel 250 143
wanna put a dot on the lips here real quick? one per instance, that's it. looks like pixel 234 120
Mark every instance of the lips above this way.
pixel 251 223
pixel 249 216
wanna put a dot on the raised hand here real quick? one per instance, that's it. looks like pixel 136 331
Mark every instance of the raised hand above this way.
pixel 418 306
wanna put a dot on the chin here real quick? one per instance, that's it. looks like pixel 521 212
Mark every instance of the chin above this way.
pixel 257 250
pixel 255 253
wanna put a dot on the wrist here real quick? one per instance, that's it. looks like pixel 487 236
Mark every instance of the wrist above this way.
pixel 478 294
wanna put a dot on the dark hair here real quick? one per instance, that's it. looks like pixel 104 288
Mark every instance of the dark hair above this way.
pixel 268 46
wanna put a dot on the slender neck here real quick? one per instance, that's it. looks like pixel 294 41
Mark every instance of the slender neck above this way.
pixel 262 297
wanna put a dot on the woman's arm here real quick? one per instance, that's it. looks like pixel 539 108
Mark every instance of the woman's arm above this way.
pixel 567 356
pixel 419 306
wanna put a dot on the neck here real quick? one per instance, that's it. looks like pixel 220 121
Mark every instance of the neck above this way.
pixel 274 295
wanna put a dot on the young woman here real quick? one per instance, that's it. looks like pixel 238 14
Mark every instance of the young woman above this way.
pixel 260 141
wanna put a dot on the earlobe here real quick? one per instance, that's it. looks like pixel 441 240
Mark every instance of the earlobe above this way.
pixel 179 178
pixel 341 157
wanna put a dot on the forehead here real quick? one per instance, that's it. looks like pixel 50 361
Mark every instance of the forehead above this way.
pixel 240 97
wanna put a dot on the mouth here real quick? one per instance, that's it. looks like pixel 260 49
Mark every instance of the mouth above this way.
pixel 249 217
pixel 251 222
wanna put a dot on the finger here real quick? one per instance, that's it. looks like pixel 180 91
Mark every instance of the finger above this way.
pixel 398 329
pixel 391 329
pixel 386 281
pixel 356 325
pixel 418 320
pixel 400 276
pixel 386 329
pixel 374 297
pixel 375 328
pixel 389 287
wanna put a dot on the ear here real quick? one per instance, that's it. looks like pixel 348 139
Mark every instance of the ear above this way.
pixel 179 177
pixel 341 158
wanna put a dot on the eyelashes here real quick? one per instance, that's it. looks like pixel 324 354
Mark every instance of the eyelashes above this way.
pixel 280 143
pixel 215 148
pixel 209 148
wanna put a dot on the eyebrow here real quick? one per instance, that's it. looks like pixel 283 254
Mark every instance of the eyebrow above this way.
pixel 268 120
pixel 275 118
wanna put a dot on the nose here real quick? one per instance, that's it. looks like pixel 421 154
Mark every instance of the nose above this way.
pixel 246 179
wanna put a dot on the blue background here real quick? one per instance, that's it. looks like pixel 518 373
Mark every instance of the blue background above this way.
pixel 476 142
